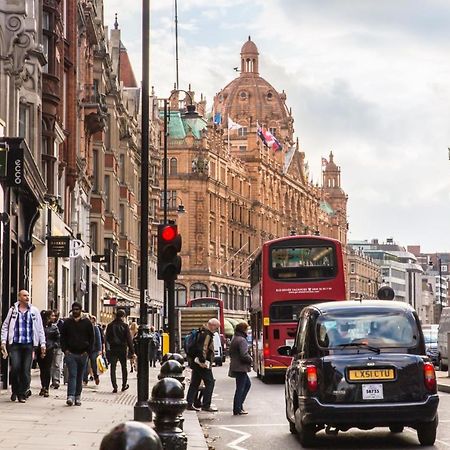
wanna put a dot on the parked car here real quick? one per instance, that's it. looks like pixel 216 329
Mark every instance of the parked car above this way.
pixel 430 334
pixel 218 350
pixel 360 364
pixel 444 329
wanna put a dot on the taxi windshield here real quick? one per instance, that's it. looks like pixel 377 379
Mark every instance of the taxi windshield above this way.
pixel 371 328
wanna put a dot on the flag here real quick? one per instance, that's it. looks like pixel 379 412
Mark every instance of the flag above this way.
pixel 324 161
pixel 217 118
pixel 268 138
pixel 233 125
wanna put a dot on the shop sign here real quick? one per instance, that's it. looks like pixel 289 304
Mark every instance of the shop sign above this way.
pixel 58 246
pixel 15 175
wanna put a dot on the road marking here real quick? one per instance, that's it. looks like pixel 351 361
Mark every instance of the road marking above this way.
pixel 250 425
pixel 233 444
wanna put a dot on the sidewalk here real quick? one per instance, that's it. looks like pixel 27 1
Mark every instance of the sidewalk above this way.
pixel 443 381
pixel 49 424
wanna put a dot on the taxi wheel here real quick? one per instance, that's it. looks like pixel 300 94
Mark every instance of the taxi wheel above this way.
pixel 426 432
pixel 396 428
pixel 292 428
pixel 305 432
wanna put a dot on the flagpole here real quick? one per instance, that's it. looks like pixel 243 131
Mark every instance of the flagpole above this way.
pixel 228 126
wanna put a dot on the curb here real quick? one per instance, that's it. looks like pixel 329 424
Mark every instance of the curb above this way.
pixel 444 388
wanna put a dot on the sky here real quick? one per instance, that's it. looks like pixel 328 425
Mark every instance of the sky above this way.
pixel 367 79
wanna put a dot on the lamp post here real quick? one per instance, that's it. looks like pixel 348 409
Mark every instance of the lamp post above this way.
pixel 142 411
pixel 439 264
pixel 169 311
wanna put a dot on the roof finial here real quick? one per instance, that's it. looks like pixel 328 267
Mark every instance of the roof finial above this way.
pixel 116 24
pixel 249 38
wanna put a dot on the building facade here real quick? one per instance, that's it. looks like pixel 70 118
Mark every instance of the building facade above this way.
pixel 237 192
pixel 364 275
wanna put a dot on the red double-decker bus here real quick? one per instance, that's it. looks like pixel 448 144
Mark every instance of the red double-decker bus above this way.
pixel 288 274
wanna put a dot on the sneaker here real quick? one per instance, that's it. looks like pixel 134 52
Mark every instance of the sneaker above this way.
pixel 97 380
pixel 28 393
pixel 56 386
pixel 13 397
pixel 70 401
pixel 46 394
pixel 22 399
pixel 240 413
pixel 209 409
pixel 42 392
pixel 124 388
pixel 192 408
pixel 77 401
pixel 115 390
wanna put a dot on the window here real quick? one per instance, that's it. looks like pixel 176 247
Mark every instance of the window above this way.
pixel 173 166
pixel 242 148
pixel 242 132
pixel 352 267
pixel 122 218
pixel 122 168
pixel 95 170
pixel 24 121
pixel 94 237
pixel 224 296
pixel 198 290
pixel 180 294
pixel 273 131
pixel 107 193
pixel 214 291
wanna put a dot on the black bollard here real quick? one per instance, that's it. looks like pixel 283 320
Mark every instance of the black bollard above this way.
pixel 167 403
pixel 131 436
pixel 166 357
pixel 177 357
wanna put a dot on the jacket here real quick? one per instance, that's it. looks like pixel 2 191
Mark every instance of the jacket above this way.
pixel 9 325
pixel 118 336
pixel 240 359
pixel 77 336
pixel 52 336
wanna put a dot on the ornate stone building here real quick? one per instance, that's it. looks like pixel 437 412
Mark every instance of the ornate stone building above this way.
pixel 239 193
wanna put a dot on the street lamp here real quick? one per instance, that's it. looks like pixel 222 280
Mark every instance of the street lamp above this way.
pixel 169 311
pixel 142 411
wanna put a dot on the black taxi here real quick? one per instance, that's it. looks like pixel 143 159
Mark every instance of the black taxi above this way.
pixel 360 364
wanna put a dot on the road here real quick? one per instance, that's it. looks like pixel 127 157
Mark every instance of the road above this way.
pixel 266 427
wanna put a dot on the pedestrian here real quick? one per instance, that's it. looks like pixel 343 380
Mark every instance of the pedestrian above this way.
pixel 118 338
pixel 92 358
pixel 153 347
pixel 57 362
pixel 77 341
pixel 200 362
pixel 160 348
pixel 134 328
pixel 21 331
pixel 52 340
pixel 240 365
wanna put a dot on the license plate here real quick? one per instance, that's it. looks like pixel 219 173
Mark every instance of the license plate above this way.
pixel 372 391
pixel 370 374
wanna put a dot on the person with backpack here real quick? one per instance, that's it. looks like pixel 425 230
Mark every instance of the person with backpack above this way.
pixel 153 347
pixel 200 355
pixel 118 339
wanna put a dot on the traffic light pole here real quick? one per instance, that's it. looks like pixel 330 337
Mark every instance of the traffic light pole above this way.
pixel 142 411
pixel 171 313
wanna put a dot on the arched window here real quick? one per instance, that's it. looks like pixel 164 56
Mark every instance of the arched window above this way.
pixel 224 297
pixel 247 299
pixel 173 166
pixel 235 299
pixel 198 290
pixel 214 291
pixel 241 299
pixel 180 294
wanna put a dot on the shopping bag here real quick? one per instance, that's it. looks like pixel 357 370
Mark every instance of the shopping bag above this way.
pixel 102 365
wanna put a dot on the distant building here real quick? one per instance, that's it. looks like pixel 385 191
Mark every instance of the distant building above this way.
pixel 364 275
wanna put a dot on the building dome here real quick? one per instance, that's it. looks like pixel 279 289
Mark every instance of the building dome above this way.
pixel 249 98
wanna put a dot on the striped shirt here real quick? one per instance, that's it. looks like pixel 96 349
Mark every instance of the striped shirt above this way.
pixel 23 332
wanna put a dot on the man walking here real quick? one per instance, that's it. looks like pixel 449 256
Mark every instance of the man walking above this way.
pixel 77 341
pixel 118 339
pixel 200 362
pixel 57 362
pixel 21 331
pixel 92 358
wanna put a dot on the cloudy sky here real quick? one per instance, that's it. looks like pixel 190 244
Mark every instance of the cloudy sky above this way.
pixel 367 79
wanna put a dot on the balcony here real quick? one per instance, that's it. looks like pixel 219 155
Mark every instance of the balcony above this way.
pixel 95 109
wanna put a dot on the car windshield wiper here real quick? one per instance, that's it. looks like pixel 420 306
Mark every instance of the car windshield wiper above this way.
pixel 360 344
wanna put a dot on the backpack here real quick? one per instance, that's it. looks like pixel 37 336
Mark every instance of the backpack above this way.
pixel 190 343
pixel 154 341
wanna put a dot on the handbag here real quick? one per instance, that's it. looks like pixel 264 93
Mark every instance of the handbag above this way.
pixel 102 364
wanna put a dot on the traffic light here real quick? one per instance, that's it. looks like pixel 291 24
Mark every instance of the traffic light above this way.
pixel 169 245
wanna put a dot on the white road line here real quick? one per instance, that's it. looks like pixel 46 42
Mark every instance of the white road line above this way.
pixel 233 444
pixel 250 425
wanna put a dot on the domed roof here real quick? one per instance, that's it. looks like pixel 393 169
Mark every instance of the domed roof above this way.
pixel 249 47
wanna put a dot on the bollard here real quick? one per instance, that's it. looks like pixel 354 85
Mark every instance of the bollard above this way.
pixel 166 357
pixel 177 357
pixel 131 436
pixel 167 403
pixel 173 369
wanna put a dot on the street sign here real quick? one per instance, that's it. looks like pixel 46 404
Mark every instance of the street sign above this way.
pixel 58 246
pixel 122 302
pixel 110 301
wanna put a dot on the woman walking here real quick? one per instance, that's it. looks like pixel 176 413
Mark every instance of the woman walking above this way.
pixel 240 365
pixel 52 344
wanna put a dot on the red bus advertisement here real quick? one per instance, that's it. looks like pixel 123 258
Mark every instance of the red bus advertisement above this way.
pixel 288 274
pixel 210 302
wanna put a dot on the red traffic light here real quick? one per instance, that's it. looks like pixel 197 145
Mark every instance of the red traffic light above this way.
pixel 169 233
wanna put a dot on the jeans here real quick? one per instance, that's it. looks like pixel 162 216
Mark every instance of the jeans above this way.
pixel 45 365
pixel 93 361
pixel 56 366
pixel 20 356
pixel 243 385
pixel 199 374
pixel 75 365
pixel 121 356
